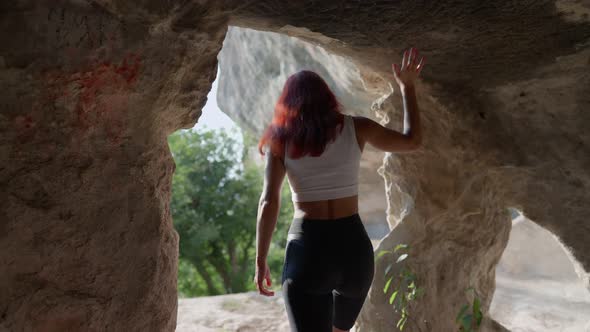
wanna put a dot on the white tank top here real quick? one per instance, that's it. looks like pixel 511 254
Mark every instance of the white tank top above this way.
pixel 333 174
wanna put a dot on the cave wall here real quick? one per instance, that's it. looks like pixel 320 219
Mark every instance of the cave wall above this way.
pixel 90 90
pixel 539 286
pixel 88 98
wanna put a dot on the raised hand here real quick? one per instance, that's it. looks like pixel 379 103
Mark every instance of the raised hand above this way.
pixel 409 70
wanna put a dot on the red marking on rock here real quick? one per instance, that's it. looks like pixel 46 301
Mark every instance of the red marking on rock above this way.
pixel 99 95
pixel 24 122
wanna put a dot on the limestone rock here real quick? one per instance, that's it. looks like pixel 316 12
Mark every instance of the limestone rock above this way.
pixel 90 90
pixel 254 66
pixel 86 237
pixel 539 286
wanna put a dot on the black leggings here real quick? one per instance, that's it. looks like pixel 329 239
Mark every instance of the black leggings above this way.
pixel 329 267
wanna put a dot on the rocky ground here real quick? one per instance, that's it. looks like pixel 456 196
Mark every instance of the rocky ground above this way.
pixel 537 290
pixel 244 312
pixel 523 306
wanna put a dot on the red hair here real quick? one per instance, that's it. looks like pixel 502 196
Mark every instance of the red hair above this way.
pixel 306 117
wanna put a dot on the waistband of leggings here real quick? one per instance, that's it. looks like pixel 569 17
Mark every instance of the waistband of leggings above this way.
pixel 299 225
pixel 335 220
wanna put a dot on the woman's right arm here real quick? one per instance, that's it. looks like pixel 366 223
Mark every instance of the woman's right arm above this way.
pixel 390 140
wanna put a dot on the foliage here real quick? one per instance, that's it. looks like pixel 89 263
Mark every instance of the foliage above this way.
pixel 402 286
pixel 403 291
pixel 189 280
pixel 214 206
pixel 470 315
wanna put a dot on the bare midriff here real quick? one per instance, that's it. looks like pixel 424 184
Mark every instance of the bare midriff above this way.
pixel 326 209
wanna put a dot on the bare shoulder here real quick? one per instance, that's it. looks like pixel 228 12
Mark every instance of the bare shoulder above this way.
pixel 363 127
pixel 273 176
pixel 361 121
pixel 272 160
pixel 382 138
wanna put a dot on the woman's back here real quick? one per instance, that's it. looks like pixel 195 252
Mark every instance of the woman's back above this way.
pixel 326 186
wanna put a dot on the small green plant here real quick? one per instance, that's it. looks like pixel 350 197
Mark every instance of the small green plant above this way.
pixel 402 286
pixel 470 315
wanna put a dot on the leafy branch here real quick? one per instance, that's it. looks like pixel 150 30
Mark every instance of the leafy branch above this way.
pixel 402 286
pixel 470 315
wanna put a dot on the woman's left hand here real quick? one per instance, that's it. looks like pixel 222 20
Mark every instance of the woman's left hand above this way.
pixel 411 66
pixel 263 274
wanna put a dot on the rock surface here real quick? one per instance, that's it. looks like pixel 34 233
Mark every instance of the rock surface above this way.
pixel 88 98
pixel 538 284
pixel 90 90
pixel 244 312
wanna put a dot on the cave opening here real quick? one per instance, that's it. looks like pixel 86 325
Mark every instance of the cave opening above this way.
pixel 253 66
pixel 539 284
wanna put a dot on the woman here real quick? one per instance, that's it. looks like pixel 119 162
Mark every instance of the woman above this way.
pixel 329 260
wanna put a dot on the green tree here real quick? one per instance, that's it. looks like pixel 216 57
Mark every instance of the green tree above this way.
pixel 214 206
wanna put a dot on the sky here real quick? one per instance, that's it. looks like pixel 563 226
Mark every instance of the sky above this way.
pixel 213 117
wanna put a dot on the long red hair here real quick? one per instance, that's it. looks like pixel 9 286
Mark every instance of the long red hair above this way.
pixel 306 117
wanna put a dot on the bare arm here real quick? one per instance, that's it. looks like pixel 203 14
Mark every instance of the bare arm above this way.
pixel 411 138
pixel 268 212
